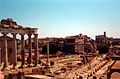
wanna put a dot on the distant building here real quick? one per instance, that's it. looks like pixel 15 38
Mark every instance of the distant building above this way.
pixel 79 44
pixel 55 44
pixel 69 45
pixel 113 43
pixel 100 39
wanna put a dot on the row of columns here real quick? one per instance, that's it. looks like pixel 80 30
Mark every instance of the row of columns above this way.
pixel 22 50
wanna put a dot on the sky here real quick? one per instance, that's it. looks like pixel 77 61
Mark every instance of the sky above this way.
pixel 61 18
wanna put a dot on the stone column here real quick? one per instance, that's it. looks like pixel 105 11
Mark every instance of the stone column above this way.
pixel 36 49
pixel 22 50
pixel 30 50
pixel 48 53
pixel 5 67
pixel 0 57
pixel 14 51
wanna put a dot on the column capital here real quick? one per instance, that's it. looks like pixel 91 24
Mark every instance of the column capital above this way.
pixel 35 33
pixel 22 34
pixel 29 34
pixel 14 33
pixel 36 36
pixel 4 33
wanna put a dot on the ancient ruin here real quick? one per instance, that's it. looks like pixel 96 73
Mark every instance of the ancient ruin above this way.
pixel 8 26
pixel 72 57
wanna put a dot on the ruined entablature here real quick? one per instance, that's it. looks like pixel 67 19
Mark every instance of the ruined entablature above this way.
pixel 9 25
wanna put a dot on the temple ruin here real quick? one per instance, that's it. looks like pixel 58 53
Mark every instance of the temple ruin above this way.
pixel 8 26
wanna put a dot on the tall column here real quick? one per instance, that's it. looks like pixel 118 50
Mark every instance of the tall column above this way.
pixel 5 67
pixel 22 50
pixel 36 49
pixel 0 57
pixel 14 51
pixel 30 50
pixel 48 53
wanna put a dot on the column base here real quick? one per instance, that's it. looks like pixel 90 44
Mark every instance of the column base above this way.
pixel 23 66
pixel 37 65
pixel 6 68
pixel 15 67
pixel 48 72
pixel 30 65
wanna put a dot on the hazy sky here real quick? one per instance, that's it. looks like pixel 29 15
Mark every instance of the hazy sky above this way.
pixel 60 18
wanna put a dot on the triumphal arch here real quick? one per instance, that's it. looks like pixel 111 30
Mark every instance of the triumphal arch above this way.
pixel 8 26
